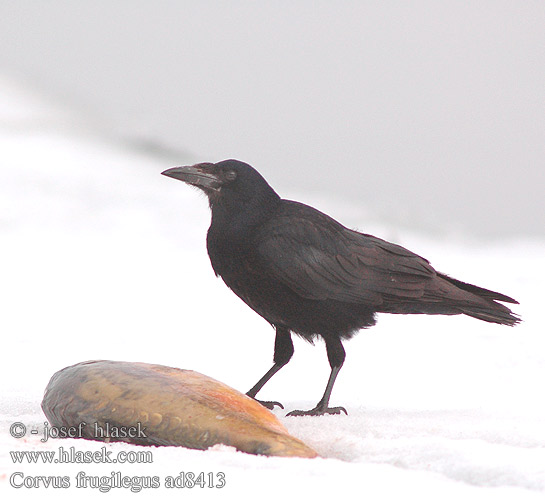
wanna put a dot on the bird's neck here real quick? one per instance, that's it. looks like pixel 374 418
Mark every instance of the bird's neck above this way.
pixel 234 221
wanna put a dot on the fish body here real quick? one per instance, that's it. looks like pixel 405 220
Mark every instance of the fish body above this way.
pixel 149 404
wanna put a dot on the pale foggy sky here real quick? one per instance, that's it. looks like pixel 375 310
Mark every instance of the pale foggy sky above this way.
pixel 427 114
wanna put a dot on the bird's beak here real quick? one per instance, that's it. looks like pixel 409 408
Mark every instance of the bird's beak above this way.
pixel 200 175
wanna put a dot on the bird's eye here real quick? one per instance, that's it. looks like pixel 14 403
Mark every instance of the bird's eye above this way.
pixel 230 175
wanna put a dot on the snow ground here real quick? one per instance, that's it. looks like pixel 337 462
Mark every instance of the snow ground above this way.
pixel 103 258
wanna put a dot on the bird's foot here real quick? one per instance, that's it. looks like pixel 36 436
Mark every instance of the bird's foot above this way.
pixel 319 410
pixel 269 404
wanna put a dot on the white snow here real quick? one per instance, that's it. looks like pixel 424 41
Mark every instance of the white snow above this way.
pixel 103 258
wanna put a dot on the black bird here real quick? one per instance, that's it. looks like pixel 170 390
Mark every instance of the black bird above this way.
pixel 307 274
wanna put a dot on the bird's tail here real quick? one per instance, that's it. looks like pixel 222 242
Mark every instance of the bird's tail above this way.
pixel 488 308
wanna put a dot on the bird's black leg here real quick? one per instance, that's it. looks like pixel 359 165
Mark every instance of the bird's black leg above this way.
pixel 336 355
pixel 283 351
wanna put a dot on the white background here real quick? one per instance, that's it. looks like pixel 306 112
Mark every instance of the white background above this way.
pixel 427 114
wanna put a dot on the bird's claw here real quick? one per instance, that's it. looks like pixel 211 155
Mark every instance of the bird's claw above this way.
pixel 270 404
pixel 337 410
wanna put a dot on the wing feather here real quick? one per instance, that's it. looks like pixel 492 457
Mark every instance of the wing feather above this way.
pixel 320 259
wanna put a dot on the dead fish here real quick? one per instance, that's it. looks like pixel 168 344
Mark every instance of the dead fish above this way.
pixel 158 405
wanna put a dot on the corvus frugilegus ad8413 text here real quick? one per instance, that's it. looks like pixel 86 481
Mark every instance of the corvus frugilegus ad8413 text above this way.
pixel 307 274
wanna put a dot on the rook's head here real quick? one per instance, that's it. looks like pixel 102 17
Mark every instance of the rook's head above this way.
pixel 228 180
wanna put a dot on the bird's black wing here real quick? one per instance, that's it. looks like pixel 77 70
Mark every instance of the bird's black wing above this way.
pixel 320 259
